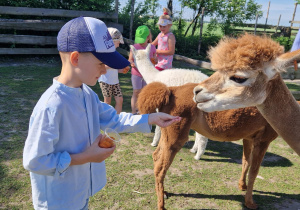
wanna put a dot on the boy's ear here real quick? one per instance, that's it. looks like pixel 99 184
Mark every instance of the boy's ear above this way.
pixel 74 58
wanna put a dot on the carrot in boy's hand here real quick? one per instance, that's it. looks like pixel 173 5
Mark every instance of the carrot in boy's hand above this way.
pixel 126 69
pixel 106 142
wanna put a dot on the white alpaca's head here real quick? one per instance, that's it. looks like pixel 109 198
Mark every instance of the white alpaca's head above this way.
pixel 140 56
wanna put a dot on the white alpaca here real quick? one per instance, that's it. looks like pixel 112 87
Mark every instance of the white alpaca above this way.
pixel 170 77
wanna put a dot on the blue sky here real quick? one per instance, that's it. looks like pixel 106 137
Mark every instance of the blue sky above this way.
pixel 277 7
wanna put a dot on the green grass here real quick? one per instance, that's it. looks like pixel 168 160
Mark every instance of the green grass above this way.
pixel 210 183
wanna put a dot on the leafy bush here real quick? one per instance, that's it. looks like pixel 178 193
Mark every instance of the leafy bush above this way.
pixel 285 41
pixel 84 5
pixel 188 46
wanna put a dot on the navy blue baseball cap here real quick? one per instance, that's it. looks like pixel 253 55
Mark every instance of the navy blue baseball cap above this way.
pixel 87 34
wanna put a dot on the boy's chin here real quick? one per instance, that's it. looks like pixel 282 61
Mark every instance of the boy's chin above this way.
pixel 92 83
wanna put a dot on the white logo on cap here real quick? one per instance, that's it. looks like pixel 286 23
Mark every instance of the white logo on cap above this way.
pixel 108 40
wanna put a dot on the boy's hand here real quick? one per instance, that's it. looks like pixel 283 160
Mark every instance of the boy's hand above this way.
pixel 93 153
pixel 162 119
pixel 97 153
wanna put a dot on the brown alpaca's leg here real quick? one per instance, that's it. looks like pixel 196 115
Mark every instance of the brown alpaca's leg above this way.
pixel 247 148
pixel 163 157
pixel 258 154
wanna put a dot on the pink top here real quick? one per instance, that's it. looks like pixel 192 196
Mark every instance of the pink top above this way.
pixel 135 71
pixel 164 61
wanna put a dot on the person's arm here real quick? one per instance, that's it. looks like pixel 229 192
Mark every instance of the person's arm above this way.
pixel 155 42
pixel 153 56
pixel 171 50
pixel 93 153
pixel 129 123
pixel 162 119
pixel 130 59
pixel 43 134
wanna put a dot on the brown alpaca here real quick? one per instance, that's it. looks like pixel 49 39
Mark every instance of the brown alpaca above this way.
pixel 246 123
pixel 249 75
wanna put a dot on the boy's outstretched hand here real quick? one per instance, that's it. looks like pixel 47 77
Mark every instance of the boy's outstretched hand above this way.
pixel 162 119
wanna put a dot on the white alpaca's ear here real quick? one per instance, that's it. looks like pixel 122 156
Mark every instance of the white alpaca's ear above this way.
pixel 133 50
pixel 148 48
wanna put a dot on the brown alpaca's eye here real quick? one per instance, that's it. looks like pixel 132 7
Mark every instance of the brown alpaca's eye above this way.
pixel 238 79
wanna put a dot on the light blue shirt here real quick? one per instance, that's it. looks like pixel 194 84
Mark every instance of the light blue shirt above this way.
pixel 296 43
pixel 66 121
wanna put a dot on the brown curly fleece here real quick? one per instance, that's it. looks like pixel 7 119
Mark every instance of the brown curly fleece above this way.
pixel 248 52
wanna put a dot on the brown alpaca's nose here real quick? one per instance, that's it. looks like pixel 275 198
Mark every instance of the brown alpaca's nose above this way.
pixel 197 90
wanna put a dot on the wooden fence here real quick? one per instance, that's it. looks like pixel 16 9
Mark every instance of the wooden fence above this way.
pixel 47 44
pixel 40 44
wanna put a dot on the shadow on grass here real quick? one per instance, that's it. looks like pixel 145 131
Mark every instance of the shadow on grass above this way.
pixel 232 153
pixel 273 198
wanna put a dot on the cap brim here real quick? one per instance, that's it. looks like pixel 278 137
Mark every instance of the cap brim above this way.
pixel 139 40
pixel 114 59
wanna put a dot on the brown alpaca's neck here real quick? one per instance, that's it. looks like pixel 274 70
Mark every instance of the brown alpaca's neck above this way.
pixel 282 111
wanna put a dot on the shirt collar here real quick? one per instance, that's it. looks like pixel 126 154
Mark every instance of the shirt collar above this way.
pixel 70 90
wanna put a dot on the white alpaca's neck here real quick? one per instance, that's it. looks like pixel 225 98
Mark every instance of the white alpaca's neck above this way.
pixel 146 68
pixel 282 111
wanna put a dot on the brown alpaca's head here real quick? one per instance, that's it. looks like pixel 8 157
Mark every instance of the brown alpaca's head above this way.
pixel 153 96
pixel 244 67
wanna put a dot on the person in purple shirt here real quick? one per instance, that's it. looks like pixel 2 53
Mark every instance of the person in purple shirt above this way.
pixel 61 150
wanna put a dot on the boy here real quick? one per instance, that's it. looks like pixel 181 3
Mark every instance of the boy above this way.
pixel 61 151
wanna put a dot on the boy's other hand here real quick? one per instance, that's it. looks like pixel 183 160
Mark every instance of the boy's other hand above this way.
pixel 97 153
pixel 93 153
pixel 162 119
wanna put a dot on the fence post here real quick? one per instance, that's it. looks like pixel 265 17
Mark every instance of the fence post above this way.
pixel 278 23
pixel 131 18
pixel 293 18
pixel 201 28
pixel 294 14
pixel 117 9
pixel 255 24
pixel 267 16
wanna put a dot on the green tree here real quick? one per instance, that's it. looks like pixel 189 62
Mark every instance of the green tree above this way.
pixel 226 14
pixel 197 5
pixel 233 13
pixel 86 5
pixel 141 16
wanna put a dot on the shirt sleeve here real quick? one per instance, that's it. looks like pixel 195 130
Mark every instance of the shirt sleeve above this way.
pixel 123 122
pixel 43 134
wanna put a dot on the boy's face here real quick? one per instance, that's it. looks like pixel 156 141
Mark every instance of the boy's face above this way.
pixel 89 68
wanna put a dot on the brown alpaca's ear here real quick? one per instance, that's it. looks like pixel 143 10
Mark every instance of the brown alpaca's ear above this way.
pixel 153 96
